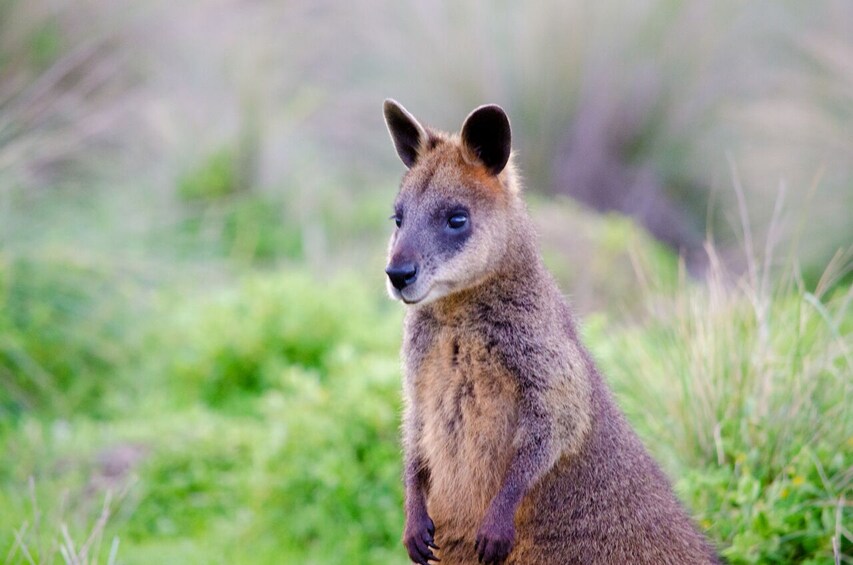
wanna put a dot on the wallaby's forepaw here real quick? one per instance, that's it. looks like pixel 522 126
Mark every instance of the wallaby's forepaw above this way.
pixel 495 540
pixel 419 539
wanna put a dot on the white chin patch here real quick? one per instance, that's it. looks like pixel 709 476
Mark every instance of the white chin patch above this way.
pixel 432 294
pixel 406 295
pixel 416 295
pixel 415 299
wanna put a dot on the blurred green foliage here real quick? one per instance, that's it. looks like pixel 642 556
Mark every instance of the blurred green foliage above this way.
pixel 217 176
pixel 241 341
pixel 222 205
pixel 45 44
pixel 62 330
pixel 248 228
pixel 265 413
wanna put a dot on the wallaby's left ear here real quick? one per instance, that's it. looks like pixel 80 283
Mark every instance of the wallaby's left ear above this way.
pixel 487 136
pixel 406 132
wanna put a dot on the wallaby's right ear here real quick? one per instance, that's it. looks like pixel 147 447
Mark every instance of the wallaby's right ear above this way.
pixel 406 133
pixel 486 134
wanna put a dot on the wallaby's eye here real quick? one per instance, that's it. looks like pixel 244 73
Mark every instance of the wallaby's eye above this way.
pixel 457 220
pixel 398 219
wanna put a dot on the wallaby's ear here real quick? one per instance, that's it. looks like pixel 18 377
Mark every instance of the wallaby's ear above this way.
pixel 487 136
pixel 406 133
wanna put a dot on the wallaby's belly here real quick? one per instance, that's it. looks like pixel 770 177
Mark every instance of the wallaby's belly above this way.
pixel 469 408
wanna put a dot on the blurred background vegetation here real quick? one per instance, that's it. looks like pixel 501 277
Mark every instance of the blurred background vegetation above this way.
pixel 197 361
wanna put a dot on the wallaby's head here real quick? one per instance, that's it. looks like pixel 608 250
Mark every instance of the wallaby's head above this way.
pixel 456 207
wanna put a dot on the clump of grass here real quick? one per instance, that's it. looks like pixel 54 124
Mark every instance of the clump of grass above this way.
pixel 47 538
pixel 742 387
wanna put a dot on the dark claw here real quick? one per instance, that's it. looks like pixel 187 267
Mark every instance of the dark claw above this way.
pixel 421 542
pixel 493 551
pixel 489 553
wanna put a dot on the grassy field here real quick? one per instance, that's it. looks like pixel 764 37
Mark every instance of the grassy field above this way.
pixel 250 414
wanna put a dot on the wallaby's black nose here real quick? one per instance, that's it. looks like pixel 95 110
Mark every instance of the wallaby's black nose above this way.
pixel 402 275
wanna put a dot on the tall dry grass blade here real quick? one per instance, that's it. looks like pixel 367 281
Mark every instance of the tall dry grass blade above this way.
pixel 815 302
pixel 772 239
pixel 113 556
pixel 20 543
pixel 744 220
pixel 67 549
pixel 839 266
pixel 98 528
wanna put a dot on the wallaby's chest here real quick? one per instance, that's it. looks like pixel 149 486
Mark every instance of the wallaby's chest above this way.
pixel 467 402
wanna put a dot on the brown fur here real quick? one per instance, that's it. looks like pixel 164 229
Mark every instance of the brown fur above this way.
pixel 510 433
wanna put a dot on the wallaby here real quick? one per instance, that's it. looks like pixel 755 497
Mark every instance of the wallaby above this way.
pixel 514 449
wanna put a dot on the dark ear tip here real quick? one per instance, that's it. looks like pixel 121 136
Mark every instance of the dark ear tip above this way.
pixel 490 108
pixel 390 108
pixel 492 111
pixel 494 115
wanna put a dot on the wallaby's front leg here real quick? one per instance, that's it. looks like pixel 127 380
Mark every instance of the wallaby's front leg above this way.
pixel 419 533
pixel 535 456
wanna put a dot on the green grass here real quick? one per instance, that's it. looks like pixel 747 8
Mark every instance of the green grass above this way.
pixel 256 421
pixel 743 389
pixel 261 422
